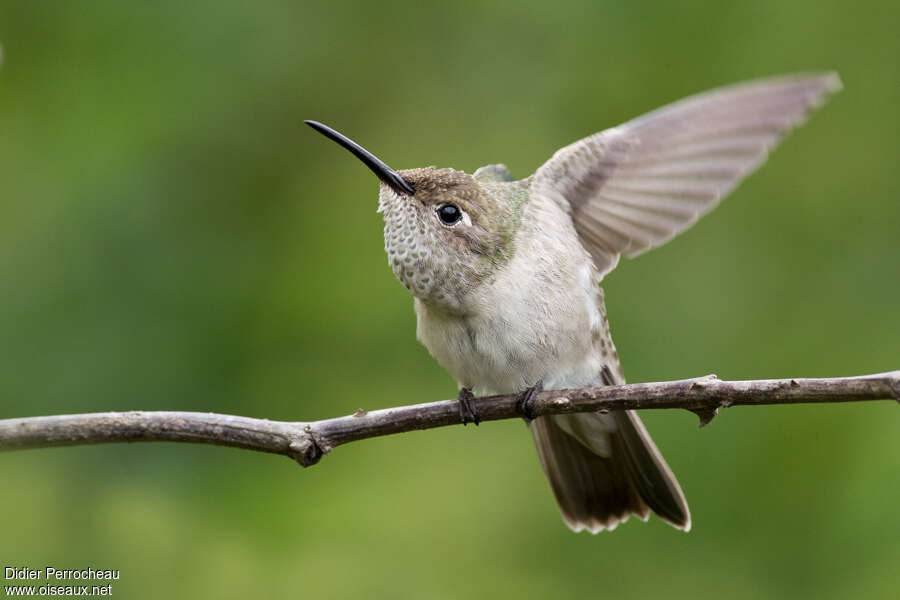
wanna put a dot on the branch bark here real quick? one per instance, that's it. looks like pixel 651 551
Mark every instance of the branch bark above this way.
pixel 308 442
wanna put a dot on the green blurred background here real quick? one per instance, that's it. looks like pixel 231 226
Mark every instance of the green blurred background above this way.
pixel 172 237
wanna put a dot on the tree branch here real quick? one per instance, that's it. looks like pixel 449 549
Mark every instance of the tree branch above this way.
pixel 307 442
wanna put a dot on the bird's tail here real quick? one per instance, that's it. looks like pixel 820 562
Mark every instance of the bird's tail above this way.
pixel 605 467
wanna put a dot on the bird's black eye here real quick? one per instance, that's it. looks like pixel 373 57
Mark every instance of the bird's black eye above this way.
pixel 449 214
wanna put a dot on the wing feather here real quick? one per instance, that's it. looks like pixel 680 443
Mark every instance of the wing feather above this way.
pixel 634 187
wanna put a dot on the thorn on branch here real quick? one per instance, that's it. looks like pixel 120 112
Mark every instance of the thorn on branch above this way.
pixel 305 450
pixel 702 382
pixel 706 415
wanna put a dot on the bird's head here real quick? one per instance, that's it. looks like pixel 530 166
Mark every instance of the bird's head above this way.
pixel 445 232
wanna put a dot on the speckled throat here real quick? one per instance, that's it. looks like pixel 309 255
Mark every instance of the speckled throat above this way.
pixel 438 264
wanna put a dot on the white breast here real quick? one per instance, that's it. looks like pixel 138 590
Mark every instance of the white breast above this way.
pixel 539 319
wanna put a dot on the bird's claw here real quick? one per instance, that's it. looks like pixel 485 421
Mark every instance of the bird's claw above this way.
pixel 467 410
pixel 525 400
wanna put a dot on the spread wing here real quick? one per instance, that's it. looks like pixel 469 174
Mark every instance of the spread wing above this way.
pixel 635 186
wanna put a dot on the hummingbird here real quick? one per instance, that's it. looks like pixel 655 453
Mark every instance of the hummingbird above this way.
pixel 506 273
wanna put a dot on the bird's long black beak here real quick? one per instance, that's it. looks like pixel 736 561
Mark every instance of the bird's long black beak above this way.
pixel 384 172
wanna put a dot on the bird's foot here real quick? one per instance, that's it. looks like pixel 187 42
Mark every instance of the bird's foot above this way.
pixel 525 400
pixel 467 411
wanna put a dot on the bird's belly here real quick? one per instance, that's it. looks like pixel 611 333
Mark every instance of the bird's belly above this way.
pixel 503 355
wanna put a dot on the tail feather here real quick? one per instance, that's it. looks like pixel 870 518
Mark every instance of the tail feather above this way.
pixel 649 472
pixel 599 483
